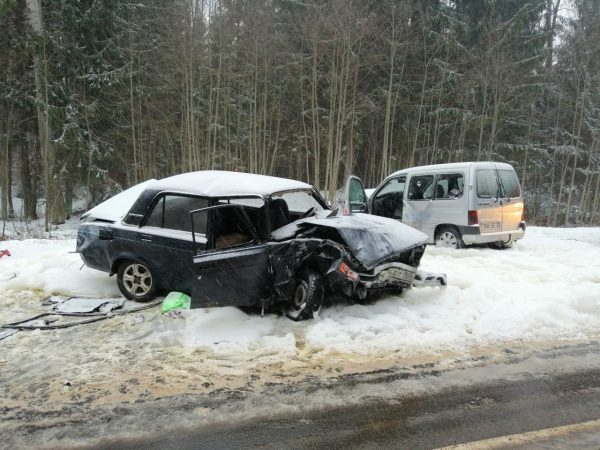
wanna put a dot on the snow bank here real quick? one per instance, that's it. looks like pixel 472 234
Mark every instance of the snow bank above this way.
pixel 546 288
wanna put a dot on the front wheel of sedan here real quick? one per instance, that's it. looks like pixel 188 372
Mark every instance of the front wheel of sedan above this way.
pixel 136 282
pixel 308 296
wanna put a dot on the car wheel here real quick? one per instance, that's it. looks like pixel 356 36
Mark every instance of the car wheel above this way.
pixel 449 237
pixel 308 296
pixel 136 281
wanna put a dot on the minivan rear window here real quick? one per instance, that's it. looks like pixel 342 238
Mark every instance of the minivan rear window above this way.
pixel 487 183
pixel 510 183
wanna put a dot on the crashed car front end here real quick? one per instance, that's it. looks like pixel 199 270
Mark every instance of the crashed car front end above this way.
pixel 358 255
pixel 391 277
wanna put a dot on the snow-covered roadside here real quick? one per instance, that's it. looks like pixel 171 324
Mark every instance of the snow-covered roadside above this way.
pixel 543 292
pixel 547 287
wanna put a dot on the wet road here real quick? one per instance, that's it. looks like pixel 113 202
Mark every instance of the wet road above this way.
pixel 490 412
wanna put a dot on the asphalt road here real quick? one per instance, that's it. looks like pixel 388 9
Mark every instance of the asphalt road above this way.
pixel 544 401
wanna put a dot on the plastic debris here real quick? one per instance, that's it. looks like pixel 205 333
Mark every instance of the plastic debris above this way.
pixel 175 314
pixel 176 300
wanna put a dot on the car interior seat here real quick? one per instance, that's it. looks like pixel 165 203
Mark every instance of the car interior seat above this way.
pixel 439 191
pixel 279 213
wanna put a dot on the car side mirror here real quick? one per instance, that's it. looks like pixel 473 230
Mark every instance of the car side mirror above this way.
pixel 358 207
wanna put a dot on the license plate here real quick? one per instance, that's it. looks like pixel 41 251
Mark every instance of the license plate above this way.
pixel 394 274
pixel 489 226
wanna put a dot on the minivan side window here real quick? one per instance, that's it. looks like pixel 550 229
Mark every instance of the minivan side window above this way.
pixel 449 185
pixel 487 183
pixel 510 183
pixel 173 212
pixel 421 187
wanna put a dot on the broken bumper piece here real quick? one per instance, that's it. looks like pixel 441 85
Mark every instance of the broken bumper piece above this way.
pixel 423 278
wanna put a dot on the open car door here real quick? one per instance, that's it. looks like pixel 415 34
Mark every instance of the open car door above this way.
pixel 233 271
pixel 354 198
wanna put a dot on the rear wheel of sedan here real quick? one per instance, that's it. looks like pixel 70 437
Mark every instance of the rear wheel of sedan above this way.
pixel 449 237
pixel 308 296
pixel 136 282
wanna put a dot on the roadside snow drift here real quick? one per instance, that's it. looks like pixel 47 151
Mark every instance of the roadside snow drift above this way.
pixel 546 288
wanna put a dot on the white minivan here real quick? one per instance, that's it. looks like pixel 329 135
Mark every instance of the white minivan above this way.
pixel 454 204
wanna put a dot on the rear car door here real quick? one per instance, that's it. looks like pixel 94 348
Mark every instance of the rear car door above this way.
pixel 487 201
pixel 234 269
pixel 165 241
pixel 512 202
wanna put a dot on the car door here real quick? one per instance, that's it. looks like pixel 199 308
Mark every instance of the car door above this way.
pixel 388 200
pixel 418 203
pixel 512 202
pixel 487 199
pixel 231 271
pixel 354 198
pixel 165 242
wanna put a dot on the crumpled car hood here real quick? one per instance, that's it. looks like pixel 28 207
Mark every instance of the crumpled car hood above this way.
pixel 370 239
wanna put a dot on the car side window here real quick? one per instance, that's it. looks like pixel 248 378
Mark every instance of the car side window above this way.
pixel 450 185
pixel 487 183
pixel 388 202
pixel 230 228
pixel 510 183
pixel 356 192
pixel 421 187
pixel 255 209
pixel 173 212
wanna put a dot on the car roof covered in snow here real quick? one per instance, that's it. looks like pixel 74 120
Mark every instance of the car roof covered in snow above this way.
pixel 452 166
pixel 217 183
pixel 208 183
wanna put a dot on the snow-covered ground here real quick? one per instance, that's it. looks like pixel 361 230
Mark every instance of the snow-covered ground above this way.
pixel 543 293
pixel 546 288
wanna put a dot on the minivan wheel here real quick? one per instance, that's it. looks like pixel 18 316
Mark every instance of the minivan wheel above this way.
pixel 449 237
pixel 136 282
pixel 308 296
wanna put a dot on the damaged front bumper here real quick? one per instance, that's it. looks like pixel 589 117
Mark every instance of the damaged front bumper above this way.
pixel 394 276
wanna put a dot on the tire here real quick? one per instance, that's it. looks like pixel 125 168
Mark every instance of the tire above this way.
pixel 449 237
pixel 308 296
pixel 136 282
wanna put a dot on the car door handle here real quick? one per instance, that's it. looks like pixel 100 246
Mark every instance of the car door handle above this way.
pixel 145 238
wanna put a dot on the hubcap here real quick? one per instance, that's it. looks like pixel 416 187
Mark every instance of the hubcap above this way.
pixel 137 280
pixel 300 294
pixel 447 239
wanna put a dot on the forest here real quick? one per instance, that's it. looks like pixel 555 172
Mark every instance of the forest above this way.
pixel 98 95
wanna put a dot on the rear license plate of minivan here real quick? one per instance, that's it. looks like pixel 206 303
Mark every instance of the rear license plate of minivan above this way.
pixel 489 227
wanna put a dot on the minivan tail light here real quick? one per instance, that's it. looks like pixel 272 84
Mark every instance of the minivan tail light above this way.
pixel 472 218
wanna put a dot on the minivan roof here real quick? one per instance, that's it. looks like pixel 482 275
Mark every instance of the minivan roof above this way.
pixel 452 166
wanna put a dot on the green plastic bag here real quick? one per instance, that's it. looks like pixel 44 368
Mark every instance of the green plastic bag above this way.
pixel 176 300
